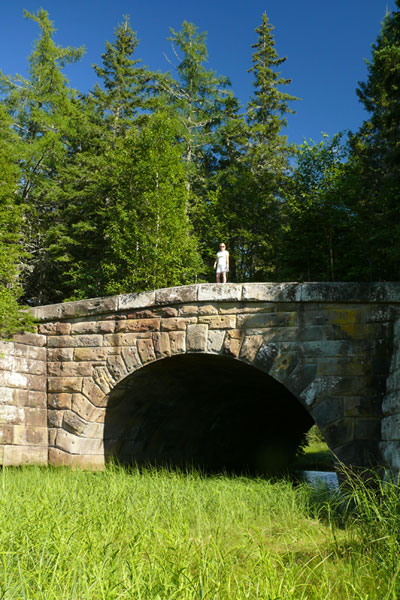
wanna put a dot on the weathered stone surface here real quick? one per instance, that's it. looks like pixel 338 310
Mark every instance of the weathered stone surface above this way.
pixel 328 411
pixel 24 455
pixel 69 369
pixel 31 339
pixel 271 292
pixel 319 387
pixel 86 327
pixel 103 378
pixel 57 328
pixel 162 347
pixel 93 355
pixel 60 354
pixel 177 340
pixel 59 458
pixel 78 426
pixel 30 398
pixel 9 379
pixel 129 301
pixel 219 321
pixel 125 339
pixel 11 415
pixel 55 418
pixel 37 417
pixel 85 409
pixel 64 384
pixel 30 436
pixel 78 445
pixel 215 340
pixel 275 319
pixel 189 310
pixel 116 366
pixel 176 324
pixel 250 347
pixel 232 342
pixel 175 295
pixel 369 429
pixel 93 306
pixel 208 292
pixel 7 395
pixel 265 356
pixel 59 401
pixel 75 341
pixel 6 434
pixel 146 351
pixel 196 338
pixel 166 311
pixel 131 358
pixel 137 325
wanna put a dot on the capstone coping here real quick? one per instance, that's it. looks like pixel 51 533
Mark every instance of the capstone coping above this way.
pixel 320 292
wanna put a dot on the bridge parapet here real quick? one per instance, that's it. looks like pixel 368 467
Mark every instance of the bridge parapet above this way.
pixel 329 344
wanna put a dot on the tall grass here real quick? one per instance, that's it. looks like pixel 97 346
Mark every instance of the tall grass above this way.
pixel 159 535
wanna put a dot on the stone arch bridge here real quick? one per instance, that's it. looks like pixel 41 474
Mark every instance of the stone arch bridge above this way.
pixel 223 376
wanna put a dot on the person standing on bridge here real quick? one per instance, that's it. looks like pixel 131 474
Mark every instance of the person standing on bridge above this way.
pixel 222 263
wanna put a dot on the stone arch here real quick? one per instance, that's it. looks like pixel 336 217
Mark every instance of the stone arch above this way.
pixel 203 409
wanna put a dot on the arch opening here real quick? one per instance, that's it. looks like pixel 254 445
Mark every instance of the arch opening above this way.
pixel 205 411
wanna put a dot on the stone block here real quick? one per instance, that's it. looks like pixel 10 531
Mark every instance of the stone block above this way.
pixel 176 324
pixel 93 306
pixel 93 355
pixel 78 426
pixel 55 418
pixel 7 434
pixel 208 309
pixel 94 393
pixel 215 340
pixel 162 347
pixel 369 429
pixel 362 406
pixel 166 312
pixel 57 328
pixel 177 341
pixel 64 384
pixel 85 409
pixel 196 338
pixel 328 411
pixel 189 310
pixel 146 351
pixel 265 356
pixel 58 458
pixel 250 347
pixel 19 364
pixel 140 314
pixel 10 379
pixel 219 321
pixel 116 366
pixel 141 300
pixel 137 325
pixel 344 366
pixel 69 369
pixel 78 445
pixel 30 436
pixel 339 433
pixel 31 339
pixel 271 292
pixel 319 388
pixel 103 378
pixel 24 455
pixel 125 339
pixel 209 292
pixel 60 354
pixel 232 342
pixel 30 398
pixel 177 295
pixel 59 401
pixel 274 319
pixel 7 395
pixel 11 415
pixel 37 417
pixel 88 327
pixel 391 454
pixel 391 403
pixel 131 358
pixel 75 341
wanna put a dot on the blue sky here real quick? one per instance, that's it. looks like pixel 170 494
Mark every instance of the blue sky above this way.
pixel 325 43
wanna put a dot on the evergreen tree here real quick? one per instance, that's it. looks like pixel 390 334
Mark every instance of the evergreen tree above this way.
pixel 12 318
pixel 375 161
pixel 42 110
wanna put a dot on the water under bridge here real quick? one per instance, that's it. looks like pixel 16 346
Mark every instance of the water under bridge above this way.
pixel 225 376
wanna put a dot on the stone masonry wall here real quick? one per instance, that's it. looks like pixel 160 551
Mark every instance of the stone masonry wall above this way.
pixel 329 344
pixel 23 401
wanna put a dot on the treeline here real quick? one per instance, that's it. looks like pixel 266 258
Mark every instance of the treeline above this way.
pixel 132 185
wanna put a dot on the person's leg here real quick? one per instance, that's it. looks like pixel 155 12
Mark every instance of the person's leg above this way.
pixel 218 277
pixel 224 277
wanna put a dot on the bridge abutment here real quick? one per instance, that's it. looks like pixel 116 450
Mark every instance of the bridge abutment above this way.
pixel 329 346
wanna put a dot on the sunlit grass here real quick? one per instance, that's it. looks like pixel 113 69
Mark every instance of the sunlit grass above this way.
pixel 161 535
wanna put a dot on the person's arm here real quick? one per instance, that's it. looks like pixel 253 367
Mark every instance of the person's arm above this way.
pixel 215 263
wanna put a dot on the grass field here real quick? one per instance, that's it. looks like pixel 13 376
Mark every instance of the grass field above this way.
pixel 162 535
pixel 316 455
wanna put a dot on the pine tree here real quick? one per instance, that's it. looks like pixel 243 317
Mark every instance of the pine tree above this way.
pixel 42 109
pixel 12 318
pixel 375 160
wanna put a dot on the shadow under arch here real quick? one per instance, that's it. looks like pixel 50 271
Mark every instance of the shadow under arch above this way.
pixel 208 411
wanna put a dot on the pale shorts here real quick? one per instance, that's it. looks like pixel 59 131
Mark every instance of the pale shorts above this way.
pixel 222 269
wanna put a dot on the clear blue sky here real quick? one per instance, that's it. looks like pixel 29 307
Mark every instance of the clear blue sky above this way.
pixel 325 43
